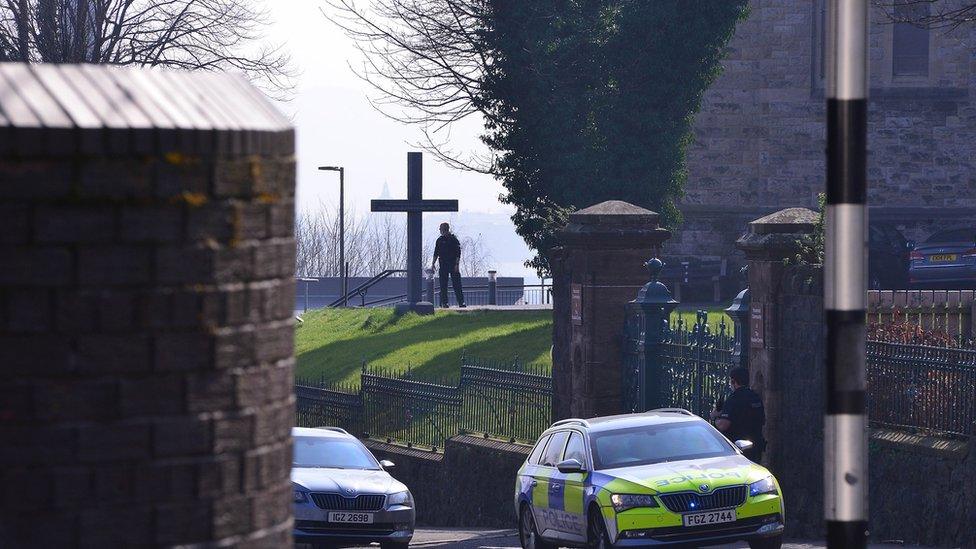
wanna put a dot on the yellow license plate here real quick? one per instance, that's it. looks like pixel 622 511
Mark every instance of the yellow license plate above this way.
pixel 943 257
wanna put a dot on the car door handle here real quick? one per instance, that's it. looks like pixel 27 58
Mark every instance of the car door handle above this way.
pixel 556 486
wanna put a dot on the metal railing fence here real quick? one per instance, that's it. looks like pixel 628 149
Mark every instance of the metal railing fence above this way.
pixel 509 401
pixel 922 387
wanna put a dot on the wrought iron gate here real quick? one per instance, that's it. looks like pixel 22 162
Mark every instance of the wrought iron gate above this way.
pixel 694 365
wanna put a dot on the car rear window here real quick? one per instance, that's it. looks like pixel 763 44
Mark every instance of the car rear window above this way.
pixel 554 450
pixel 537 451
pixel 656 444
pixel 966 236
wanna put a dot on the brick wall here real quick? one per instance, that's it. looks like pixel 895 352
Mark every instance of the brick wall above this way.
pixel 759 137
pixel 146 350
pixel 472 484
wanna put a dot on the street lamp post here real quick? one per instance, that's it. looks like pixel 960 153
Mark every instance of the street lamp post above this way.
pixel 342 227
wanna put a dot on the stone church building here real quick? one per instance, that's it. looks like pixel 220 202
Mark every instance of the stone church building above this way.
pixel 760 133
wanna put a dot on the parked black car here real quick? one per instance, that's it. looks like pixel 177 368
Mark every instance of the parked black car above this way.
pixel 887 258
pixel 946 261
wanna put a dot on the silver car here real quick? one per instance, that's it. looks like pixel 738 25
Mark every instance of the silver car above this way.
pixel 946 261
pixel 344 496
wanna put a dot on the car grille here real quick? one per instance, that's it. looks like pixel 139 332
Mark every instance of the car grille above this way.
pixel 323 527
pixel 336 502
pixel 723 498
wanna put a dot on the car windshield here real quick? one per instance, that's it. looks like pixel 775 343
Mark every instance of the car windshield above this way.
pixel 958 235
pixel 657 443
pixel 332 453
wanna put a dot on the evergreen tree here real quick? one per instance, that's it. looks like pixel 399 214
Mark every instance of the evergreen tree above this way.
pixel 583 100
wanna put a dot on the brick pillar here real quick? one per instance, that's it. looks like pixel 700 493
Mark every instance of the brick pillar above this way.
pixel 601 263
pixel 146 299
pixel 769 241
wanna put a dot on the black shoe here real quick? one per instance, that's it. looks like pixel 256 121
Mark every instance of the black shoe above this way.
pixel 463 305
pixel 445 306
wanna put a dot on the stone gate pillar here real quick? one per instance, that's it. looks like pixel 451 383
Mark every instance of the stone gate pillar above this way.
pixel 146 297
pixel 769 242
pixel 596 272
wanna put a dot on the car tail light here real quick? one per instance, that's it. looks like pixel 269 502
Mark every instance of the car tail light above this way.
pixel 916 256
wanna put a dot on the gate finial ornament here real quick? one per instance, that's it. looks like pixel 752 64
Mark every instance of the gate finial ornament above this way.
pixel 654 266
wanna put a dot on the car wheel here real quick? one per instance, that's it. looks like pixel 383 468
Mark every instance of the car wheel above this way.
pixel 767 543
pixel 596 531
pixel 528 535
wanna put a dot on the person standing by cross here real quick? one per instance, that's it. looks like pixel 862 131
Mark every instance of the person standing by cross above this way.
pixel 415 205
pixel 448 250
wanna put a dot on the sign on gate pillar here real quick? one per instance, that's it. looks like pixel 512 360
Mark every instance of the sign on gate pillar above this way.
pixel 757 328
pixel 576 304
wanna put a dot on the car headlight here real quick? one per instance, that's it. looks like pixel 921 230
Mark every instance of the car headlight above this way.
pixel 300 497
pixel 764 486
pixel 622 502
pixel 400 498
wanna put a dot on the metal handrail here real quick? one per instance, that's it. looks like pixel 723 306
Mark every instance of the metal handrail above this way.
pixel 362 288
pixel 391 299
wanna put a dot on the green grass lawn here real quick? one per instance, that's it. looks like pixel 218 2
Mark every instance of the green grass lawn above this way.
pixel 716 314
pixel 333 343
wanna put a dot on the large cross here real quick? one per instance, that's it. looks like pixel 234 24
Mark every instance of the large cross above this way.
pixel 415 206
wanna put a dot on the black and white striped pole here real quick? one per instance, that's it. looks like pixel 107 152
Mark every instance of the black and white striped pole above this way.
pixel 845 276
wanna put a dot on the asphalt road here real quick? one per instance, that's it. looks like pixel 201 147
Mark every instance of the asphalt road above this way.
pixel 507 539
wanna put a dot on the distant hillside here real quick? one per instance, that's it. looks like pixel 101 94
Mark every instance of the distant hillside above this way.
pixel 332 343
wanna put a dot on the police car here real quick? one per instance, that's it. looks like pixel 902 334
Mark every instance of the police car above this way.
pixel 643 480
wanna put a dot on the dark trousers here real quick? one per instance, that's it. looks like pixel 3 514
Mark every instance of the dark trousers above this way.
pixel 456 281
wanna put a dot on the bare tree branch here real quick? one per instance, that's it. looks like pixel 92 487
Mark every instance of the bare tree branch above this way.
pixel 426 62
pixel 185 34
pixel 373 244
pixel 928 14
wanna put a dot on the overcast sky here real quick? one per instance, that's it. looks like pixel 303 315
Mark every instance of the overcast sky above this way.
pixel 337 126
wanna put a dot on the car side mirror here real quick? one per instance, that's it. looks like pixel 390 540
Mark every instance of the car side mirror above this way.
pixel 743 445
pixel 571 465
pixel 386 464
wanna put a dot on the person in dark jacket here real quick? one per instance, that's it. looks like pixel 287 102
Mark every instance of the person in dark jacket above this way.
pixel 742 415
pixel 448 250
